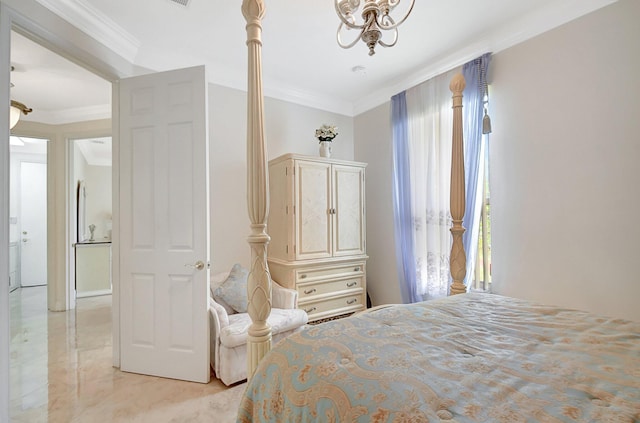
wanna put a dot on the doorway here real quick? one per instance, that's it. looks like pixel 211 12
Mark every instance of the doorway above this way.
pixel 53 267
pixel 91 204
pixel 30 17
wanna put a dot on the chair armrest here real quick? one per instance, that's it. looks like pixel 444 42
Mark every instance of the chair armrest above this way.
pixel 282 297
pixel 220 316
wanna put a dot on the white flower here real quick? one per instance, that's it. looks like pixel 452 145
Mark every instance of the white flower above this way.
pixel 326 132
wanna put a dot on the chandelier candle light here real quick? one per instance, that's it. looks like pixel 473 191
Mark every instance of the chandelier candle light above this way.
pixel 325 135
pixel 376 17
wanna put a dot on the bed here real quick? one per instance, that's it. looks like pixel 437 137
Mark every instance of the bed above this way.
pixel 470 357
pixel 466 358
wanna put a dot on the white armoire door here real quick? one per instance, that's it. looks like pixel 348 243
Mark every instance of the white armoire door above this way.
pixel 313 209
pixel 164 225
pixel 348 206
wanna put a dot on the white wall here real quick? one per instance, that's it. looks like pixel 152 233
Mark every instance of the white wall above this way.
pixel 373 146
pixel 564 164
pixel 289 128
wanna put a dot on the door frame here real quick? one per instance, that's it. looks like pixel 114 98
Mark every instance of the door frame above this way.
pixel 35 21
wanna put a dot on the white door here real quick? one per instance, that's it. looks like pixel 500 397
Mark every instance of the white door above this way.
pixel 164 225
pixel 33 223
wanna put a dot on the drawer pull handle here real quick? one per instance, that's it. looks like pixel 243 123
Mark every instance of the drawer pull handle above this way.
pixel 303 276
pixel 351 284
pixel 352 301
pixel 309 291
pixel 309 310
pixel 357 269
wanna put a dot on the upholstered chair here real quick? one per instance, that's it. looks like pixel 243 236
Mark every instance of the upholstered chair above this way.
pixel 229 322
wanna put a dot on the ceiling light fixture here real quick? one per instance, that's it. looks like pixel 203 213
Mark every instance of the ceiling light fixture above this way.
pixel 16 110
pixel 376 17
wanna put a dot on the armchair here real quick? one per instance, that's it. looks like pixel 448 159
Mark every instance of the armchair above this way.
pixel 229 329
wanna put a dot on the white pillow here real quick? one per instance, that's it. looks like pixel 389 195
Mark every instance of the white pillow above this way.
pixel 233 291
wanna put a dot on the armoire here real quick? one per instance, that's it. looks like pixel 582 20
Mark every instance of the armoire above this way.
pixel 317 229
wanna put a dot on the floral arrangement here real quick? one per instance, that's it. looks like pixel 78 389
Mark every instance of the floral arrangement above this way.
pixel 326 132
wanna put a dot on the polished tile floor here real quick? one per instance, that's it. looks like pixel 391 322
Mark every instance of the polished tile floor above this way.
pixel 61 370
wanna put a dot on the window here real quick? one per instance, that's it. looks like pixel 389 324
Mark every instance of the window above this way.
pixel 482 275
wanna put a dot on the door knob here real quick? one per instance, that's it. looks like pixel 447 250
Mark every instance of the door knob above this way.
pixel 197 265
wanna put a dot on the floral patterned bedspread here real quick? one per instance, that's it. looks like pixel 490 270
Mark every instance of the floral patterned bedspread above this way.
pixel 467 358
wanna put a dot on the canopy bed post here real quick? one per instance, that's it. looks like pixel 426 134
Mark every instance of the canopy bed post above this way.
pixel 259 281
pixel 458 260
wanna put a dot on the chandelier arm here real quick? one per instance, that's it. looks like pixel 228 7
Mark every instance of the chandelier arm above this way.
pixel 339 39
pixel 393 43
pixel 394 24
pixel 344 20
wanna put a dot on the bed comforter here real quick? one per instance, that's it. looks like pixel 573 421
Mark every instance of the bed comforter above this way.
pixel 467 358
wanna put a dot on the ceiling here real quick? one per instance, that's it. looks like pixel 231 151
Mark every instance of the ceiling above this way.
pixel 302 62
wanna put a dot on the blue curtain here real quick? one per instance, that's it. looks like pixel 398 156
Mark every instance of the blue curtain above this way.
pixel 474 73
pixel 473 102
pixel 405 255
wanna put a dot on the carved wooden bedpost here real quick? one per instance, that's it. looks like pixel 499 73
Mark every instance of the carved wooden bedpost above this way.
pixel 458 259
pixel 259 282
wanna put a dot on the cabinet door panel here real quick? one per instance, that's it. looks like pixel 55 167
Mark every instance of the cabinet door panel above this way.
pixel 313 229
pixel 348 202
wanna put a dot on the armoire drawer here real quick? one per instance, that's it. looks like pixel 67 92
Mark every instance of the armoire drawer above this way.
pixel 332 287
pixel 333 306
pixel 310 274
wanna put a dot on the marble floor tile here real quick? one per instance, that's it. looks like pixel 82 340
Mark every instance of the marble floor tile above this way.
pixel 61 371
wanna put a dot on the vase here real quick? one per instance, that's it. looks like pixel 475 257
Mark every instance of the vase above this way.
pixel 325 148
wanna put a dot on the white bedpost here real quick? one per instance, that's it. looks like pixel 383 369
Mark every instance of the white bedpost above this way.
pixel 259 282
pixel 458 259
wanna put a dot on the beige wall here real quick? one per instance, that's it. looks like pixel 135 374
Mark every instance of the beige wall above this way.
pixel 289 129
pixel 373 146
pixel 564 154
pixel 564 160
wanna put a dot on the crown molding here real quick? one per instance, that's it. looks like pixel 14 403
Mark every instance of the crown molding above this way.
pixel 529 26
pixel 78 114
pixel 309 99
pixel 95 24
pixel 278 90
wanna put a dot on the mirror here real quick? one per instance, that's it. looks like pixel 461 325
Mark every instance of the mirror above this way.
pixel 92 180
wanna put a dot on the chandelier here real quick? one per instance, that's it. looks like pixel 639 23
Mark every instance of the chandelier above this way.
pixel 376 17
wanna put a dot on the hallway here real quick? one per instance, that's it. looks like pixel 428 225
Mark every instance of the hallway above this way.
pixel 61 370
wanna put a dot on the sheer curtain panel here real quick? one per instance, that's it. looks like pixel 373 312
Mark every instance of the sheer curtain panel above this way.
pixel 422 155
